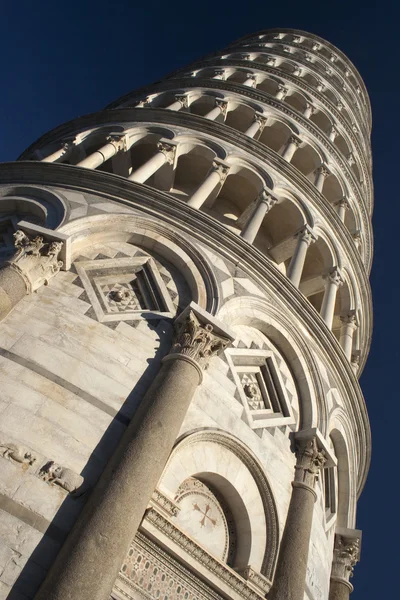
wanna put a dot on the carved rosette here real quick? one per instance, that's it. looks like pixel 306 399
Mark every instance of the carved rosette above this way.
pixel 346 554
pixel 35 260
pixel 310 460
pixel 197 341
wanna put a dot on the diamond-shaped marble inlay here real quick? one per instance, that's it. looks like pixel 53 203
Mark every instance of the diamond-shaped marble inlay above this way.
pixel 125 288
pixel 252 390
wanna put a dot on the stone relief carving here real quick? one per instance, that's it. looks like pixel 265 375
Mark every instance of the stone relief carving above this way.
pixel 66 478
pixel 35 260
pixel 310 460
pixel 17 453
pixel 197 341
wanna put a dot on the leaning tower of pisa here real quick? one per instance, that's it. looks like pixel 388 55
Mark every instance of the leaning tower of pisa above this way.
pixel 185 312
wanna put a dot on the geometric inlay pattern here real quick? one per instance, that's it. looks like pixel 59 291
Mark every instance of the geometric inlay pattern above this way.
pixel 125 289
pixel 261 388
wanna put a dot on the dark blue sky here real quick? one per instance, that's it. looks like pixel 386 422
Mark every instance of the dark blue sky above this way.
pixel 64 59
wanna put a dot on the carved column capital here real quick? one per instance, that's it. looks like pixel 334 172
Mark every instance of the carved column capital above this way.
pixel 310 460
pixel 252 77
pixel 143 103
pixel 267 198
pixel 168 149
pixel 295 140
pixel 350 319
pixel 323 170
pixel 343 203
pixel 222 105
pixel 310 108
pixel 308 57
pixel 221 168
pixel 118 141
pixel 283 90
pixel 339 105
pixel 183 99
pixel 261 119
pixel 271 61
pixel 35 260
pixel 196 340
pixel 346 554
pixel 316 46
pixel 297 71
pixel 333 132
pixel 306 234
pixel 334 276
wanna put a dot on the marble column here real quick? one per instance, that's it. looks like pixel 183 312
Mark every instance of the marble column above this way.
pixel 342 205
pixel 115 144
pixel 333 280
pixel 308 110
pixel 219 109
pixel 346 554
pixel 91 557
pixel 305 237
pixel 257 125
pixel 281 92
pixel 271 61
pixel 251 80
pixel 291 569
pixel 165 154
pixel 292 144
pixel 34 263
pixel 62 153
pixel 333 133
pixel 264 204
pixel 181 101
pixel 215 177
pixel 349 326
pixel 320 175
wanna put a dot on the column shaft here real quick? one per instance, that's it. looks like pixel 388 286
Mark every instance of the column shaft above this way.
pixel 304 238
pixel 252 227
pixel 12 290
pixel 213 113
pixel 142 174
pixel 333 280
pixel 339 590
pixel 60 153
pixel 206 187
pixel 177 105
pixel 347 333
pixel 100 156
pixel 290 575
pixel 291 147
pixel 254 128
pixel 89 561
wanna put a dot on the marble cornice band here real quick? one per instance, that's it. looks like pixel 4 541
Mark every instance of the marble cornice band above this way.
pixel 240 140
pixel 205 228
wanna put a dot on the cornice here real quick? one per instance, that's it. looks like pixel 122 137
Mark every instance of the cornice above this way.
pixel 322 41
pixel 209 231
pixel 240 140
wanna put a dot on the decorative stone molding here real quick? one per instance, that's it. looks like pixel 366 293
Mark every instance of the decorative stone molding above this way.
pixel 261 583
pixel 35 260
pixel 310 460
pixel 201 556
pixel 197 341
pixel 346 554
pixel 350 319
pixel 164 504
pixel 118 141
pixel 294 139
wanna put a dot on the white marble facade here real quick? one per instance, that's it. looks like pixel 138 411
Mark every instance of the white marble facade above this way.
pixel 195 190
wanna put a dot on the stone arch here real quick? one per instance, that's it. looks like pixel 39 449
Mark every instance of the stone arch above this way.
pixel 155 237
pixel 343 443
pixel 230 467
pixel 271 321
pixel 35 204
